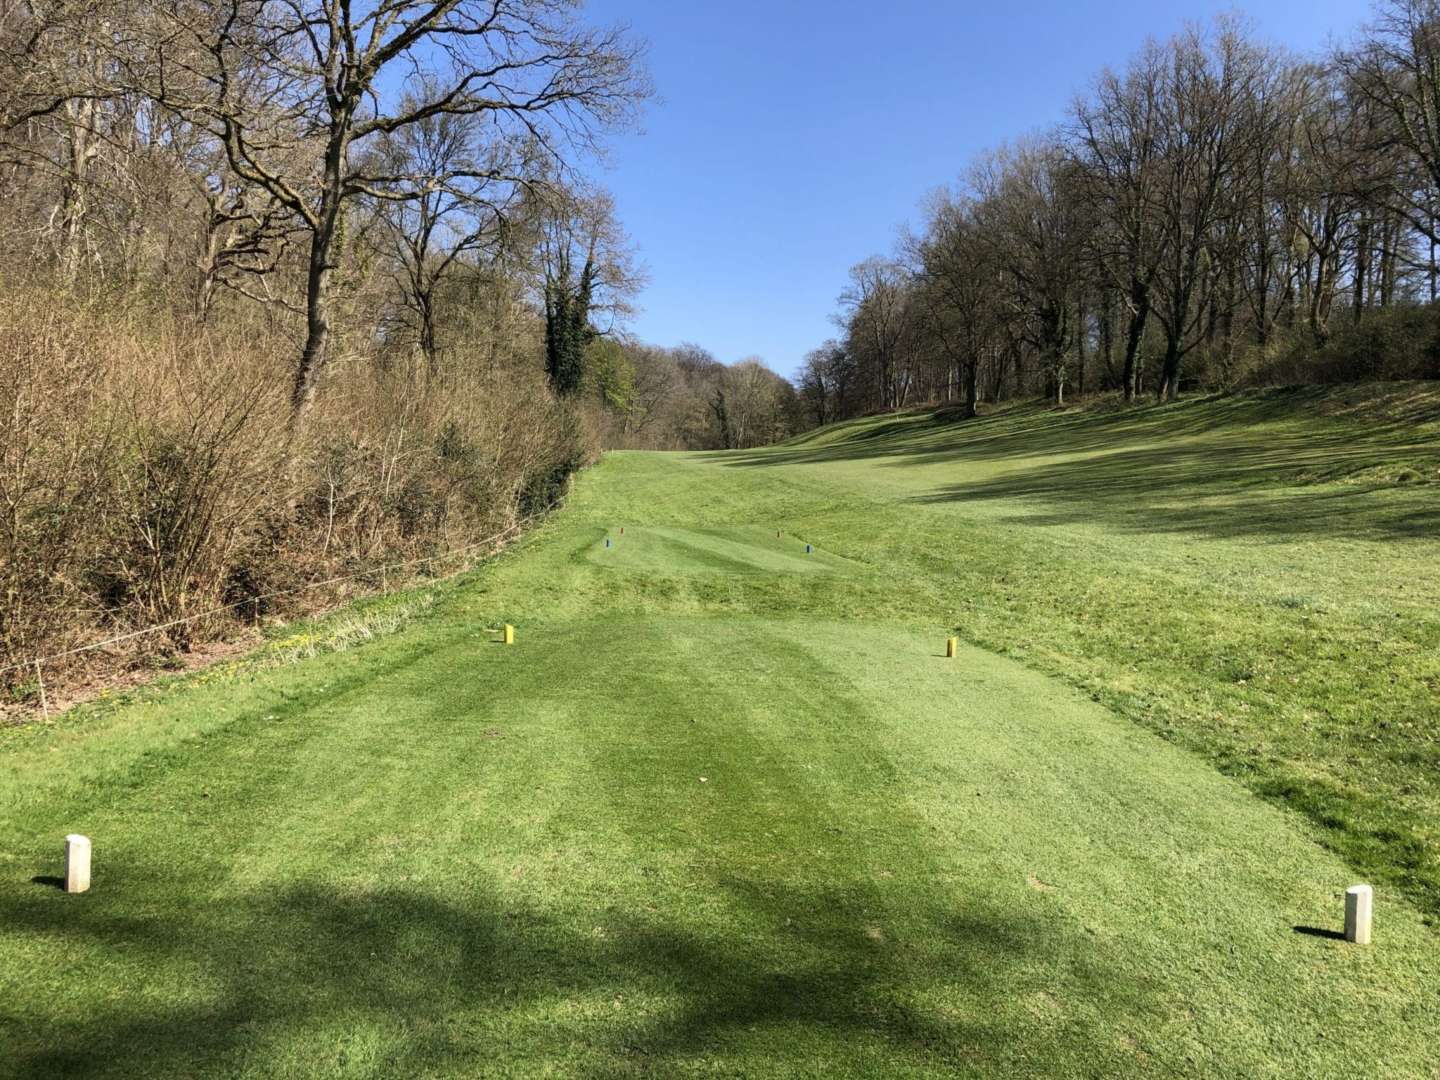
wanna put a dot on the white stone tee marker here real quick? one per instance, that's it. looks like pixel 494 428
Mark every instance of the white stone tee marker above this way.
pixel 77 863
pixel 1359 901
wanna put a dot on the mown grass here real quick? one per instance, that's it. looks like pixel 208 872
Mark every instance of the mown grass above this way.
pixel 724 810
pixel 1253 577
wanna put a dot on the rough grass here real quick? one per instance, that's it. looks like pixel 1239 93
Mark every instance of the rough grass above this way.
pixel 712 815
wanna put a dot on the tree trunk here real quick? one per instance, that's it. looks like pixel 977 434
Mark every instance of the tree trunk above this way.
pixel 317 327
pixel 1261 290
pixel 209 267
pixel 1387 264
pixel 1362 266
pixel 1169 387
pixel 428 346
pixel 323 245
pixel 997 389
pixel 74 209
pixel 1139 315
pixel 1107 335
pixel 1433 268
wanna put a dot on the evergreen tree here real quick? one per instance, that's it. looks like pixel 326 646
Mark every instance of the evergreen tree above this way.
pixel 567 328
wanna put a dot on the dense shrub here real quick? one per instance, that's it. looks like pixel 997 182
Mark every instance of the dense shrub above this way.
pixel 1400 342
pixel 147 473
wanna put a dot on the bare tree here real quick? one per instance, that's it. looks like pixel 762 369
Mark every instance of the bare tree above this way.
pixel 476 186
pixel 54 87
pixel 747 402
pixel 1117 137
pixel 1323 211
pixel 880 319
pixel 349 76
pixel 1396 66
pixel 1209 82
pixel 1037 230
pixel 656 380
pixel 958 291
pixel 827 382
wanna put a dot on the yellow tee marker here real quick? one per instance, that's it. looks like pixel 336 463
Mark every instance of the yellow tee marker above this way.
pixel 952 647
pixel 509 634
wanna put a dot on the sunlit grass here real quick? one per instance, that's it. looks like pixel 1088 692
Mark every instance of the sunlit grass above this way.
pixel 716 815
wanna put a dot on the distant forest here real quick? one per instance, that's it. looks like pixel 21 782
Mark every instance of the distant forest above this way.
pixel 1218 213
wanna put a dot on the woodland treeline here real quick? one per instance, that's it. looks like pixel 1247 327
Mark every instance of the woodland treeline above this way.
pixel 295 289
pixel 1218 213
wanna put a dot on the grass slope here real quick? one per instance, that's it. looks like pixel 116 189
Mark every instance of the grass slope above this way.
pixel 724 810
pixel 1252 577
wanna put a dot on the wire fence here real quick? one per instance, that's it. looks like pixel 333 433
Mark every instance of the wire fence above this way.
pixel 39 662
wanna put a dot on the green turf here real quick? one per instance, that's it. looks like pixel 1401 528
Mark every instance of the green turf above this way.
pixel 724 809
pixel 752 549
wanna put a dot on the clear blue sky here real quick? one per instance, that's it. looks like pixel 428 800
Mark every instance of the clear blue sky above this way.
pixel 793 138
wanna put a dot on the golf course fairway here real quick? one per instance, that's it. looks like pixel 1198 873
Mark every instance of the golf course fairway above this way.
pixel 725 808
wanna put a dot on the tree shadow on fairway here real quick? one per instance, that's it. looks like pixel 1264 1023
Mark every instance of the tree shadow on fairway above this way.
pixel 1199 466
pixel 1023 432
pixel 1039 430
pixel 1239 489
pixel 296 982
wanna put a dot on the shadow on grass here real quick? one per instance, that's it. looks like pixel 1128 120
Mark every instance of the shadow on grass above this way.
pixel 274 984
pixel 1203 466
pixel 1236 489
pixel 1018 432
pixel 1320 932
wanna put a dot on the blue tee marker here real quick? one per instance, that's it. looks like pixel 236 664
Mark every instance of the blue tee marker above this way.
pixel 607 541
pixel 808 549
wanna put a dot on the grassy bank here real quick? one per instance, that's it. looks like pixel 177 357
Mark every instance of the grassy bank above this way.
pixel 724 809
pixel 1252 577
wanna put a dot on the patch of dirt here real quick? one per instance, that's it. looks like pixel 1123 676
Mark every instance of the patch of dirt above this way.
pixel 76 687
